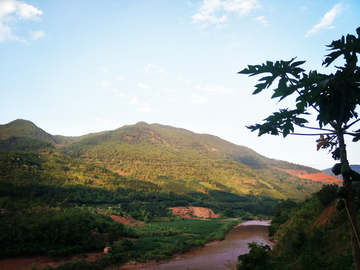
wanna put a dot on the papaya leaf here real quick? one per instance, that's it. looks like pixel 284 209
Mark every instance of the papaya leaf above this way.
pixel 357 136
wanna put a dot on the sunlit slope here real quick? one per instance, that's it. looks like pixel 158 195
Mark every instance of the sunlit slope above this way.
pixel 24 129
pixel 179 159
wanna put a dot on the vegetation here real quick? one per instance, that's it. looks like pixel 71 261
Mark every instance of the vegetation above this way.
pixel 158 158
pixel 312 235
pixel 178 237
pixel 57 193
pixel 53 231
pixel 334 98
pixel 52 204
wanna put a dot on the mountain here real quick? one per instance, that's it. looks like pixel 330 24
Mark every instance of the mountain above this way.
pixel 24 129
pixel 354 167
pixel 167 159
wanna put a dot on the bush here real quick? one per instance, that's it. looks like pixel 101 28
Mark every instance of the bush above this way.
pixel 257 259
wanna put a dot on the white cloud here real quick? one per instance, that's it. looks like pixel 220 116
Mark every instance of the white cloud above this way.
pixel 11 12
pixel 170 90
pixel 104 69
pixel 120 95
pixel 107 84
pixel 143 86
pixel 208 11
pixel 163 72
pixel 148 69
pixel 181 77
pixel 242 7
pixel 146 108
pixel 263 20
pixel 36 34
pixel 196 99
pixel 119 78
pixel 158 74
pixel 21 11
pixel 134 100
pixel 215 89
pixel 327 20
pixel 27 12
pixel 6 34
pixel 105 122
pixel 211 18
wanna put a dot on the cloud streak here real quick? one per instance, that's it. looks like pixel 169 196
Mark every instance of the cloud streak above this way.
pixel 327 20
pixel 143 86
pixel 36 34
pixel 263 20
pixel 146 108
pixel 196 99
pixel 208 11
pixel 215 89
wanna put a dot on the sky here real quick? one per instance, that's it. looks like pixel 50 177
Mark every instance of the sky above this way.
pixel 83 66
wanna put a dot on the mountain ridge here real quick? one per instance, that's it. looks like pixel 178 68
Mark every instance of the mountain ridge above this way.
pixel 176 159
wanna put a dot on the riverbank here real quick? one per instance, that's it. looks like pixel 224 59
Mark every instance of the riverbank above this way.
pixel 213 246
pixel 265 222
pixel 190 230
pixel 221 255
pixel 141 265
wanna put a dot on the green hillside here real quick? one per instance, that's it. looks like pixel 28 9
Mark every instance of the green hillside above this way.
pixel 24 129
pixel 162 158
pixel 64 186
pixel 182 161
pixel 313 234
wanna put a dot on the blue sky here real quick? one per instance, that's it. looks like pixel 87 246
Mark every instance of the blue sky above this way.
pixel 76 67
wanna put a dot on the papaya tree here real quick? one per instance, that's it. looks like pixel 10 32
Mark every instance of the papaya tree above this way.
pixel 334 98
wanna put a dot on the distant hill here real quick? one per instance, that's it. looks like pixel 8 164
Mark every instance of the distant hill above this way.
pixel 180 160
pixel 24 129
pixel 353 167
pixel 170 159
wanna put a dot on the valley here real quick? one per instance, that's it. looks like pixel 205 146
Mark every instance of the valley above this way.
pixel 96 186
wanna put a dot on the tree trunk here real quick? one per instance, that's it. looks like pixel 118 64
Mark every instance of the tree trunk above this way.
pixel 350 207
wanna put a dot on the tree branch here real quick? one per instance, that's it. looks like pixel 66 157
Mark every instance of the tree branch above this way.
pixel 317 128
pixel 353 123
pixel 307 134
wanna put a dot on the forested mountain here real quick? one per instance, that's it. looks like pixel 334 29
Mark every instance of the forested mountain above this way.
pixel 24 129
pixel 161 158
pixel 60 184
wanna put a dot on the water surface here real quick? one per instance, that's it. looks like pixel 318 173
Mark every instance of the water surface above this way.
pixel 221 255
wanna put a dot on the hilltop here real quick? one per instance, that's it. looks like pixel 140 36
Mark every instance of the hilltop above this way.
pixel 164 158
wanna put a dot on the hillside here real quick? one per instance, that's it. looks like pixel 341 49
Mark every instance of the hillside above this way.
pixel 310 235
pixel 24 129
pixel 355 168
pixel 164 158
pixel 180 160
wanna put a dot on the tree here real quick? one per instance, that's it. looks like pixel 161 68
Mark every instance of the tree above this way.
pixel 327 194
pixel 333 97
pixel 258 258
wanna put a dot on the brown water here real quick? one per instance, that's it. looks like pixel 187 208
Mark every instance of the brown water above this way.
pixel 221 255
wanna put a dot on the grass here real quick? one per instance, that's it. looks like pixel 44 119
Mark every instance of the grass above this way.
pixel 191 233
pixel 197 226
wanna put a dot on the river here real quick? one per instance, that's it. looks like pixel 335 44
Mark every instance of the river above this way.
pixel 221 255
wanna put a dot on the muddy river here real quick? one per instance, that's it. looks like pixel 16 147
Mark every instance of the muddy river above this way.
pixel 221 255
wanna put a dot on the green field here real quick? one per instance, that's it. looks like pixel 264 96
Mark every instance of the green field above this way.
pixel 183 235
